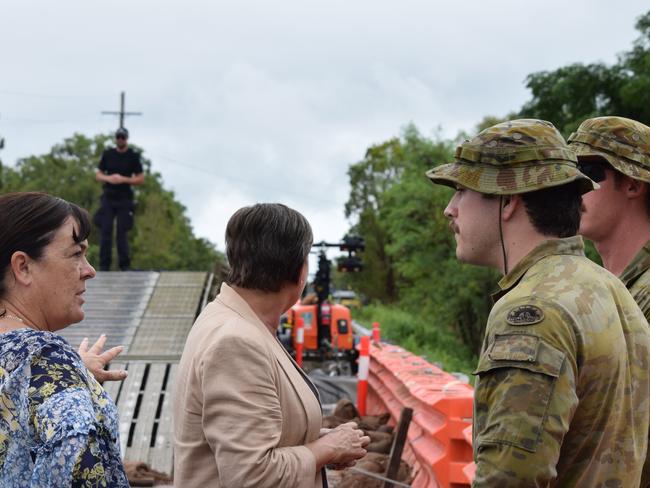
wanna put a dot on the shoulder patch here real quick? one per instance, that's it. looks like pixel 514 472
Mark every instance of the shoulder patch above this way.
pixel 525 315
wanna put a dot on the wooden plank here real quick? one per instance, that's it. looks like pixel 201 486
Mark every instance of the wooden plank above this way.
pixel 144 423
pixel 128 400
pixel 162 455
pixel 398 446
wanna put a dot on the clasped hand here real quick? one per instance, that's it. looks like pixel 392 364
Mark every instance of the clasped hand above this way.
pixel 117 179
pixel 347 442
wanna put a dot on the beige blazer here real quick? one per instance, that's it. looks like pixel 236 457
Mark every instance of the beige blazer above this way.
pixel 242 411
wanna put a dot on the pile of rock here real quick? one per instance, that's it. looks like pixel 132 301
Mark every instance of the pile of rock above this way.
pixel 376 461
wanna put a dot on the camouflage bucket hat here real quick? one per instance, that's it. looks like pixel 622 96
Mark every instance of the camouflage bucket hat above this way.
pixel 623 143
pixel 518 156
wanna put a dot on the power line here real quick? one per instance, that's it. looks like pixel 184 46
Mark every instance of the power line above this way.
pixel 237 180
pixel 25 120
pixel 43 95
pixel 122 114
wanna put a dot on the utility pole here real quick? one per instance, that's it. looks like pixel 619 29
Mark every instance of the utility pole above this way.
pixel 122 113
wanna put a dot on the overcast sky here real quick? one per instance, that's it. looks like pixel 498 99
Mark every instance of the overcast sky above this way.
pixel 259 101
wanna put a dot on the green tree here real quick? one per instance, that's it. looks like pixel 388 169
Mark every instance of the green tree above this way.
pixel 570 94
pixel 162 237
pixel 451 295
pixel 413 251
pixel 635 93
pixel 369 180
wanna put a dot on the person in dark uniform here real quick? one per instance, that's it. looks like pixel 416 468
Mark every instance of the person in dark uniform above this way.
pixel 119 168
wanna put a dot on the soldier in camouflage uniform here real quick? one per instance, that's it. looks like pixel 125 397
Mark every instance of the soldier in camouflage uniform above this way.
pixel 615 151
pixel 562 395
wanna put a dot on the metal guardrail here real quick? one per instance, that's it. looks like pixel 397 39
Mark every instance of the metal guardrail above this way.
pixel 206 292
pixel 360 329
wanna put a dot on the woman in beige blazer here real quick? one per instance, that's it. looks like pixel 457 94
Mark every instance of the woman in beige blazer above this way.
pixel 245 415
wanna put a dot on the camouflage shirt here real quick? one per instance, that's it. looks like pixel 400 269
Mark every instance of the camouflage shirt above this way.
pixel 562 394
pixel 636 277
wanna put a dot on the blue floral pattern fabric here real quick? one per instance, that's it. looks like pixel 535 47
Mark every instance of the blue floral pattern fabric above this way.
pixel 58 427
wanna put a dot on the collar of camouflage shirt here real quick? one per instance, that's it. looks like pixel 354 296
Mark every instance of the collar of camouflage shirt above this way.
pixel 637 266
pixel 569 245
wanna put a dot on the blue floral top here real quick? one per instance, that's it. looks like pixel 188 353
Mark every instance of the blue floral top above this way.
pixel 58 427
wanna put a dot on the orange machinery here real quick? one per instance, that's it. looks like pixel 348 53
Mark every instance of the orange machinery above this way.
pixel 336 324
pixel 327 328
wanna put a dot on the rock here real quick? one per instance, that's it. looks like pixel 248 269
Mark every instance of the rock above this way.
pixel 379 441
pixel 331 421
pixel 141 474
pixel 345 409
pixel 385 428
pixel 375 463
pixel 376 420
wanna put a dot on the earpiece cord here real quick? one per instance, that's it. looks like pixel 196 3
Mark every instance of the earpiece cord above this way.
pixel 503 246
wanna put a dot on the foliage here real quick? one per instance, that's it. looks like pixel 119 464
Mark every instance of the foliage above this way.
pixel 162 237
pixel 571 94
pixel 411 260
pixel 417 334
pixel 410 264
pixel 369 180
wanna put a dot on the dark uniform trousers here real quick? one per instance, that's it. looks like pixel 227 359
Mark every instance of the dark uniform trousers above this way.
pixel 122 209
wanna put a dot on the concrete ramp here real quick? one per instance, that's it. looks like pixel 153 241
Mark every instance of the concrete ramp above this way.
pixel 115 305
pixel 173 306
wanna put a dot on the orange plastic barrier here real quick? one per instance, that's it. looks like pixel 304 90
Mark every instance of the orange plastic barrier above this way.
pixel 300 340
pixel 442 411
pixel 470 469
pixel 376 332
pixel 364 370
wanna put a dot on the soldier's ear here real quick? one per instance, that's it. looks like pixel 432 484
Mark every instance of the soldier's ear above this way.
pixel 510 204
pixel 635 188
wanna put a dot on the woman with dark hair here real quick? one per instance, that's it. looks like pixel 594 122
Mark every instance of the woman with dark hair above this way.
pixel 245 415
pixel 58 427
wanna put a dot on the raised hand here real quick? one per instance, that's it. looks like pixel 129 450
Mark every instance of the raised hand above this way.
pixel 96 359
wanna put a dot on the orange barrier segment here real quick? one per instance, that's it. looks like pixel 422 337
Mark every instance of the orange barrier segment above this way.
pixel 376 333
pixel 300 340
pixel 362 383
pixel 436 447
pixel 470 469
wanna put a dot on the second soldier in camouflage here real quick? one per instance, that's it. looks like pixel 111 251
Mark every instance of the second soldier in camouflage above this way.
pixel 563 376
pixel 615 151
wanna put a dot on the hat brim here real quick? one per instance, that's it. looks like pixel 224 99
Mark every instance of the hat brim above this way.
pixel 623 165
pixel 511 179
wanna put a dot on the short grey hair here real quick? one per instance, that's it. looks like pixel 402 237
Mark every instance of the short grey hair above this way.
pixel 267 245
